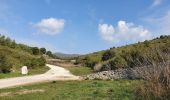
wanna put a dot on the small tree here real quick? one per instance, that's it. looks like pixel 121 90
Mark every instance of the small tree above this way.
pixel 146 43
pixel 49 53
pixel 108 55
pixel 43 50
pixel 41 61
pixel 5 65
pixel 118 62
pixel 35 50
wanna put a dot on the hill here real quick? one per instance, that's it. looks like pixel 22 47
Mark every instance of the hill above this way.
pixel 65 56
pixel 134 55
pixel 13 56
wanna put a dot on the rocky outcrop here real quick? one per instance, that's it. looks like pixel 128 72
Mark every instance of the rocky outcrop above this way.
pixel 129 73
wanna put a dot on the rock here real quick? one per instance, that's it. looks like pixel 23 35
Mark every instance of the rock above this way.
pixel 129 73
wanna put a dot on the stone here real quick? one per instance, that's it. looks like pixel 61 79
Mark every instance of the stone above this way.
pixel 128 73
pixel 24 70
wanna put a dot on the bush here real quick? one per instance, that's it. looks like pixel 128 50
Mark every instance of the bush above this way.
pixel 157 80
pixel 36 62
pixel 156 85
pixel 49 53
pixel 118 62
pixel 90 61
pixel 146 43
pixel 42 50
pixel 41 61
pixel 5 65
pixel 108 55
pixel 35 51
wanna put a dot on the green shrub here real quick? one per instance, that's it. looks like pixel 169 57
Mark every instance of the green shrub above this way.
pixel 133 55
pixel 35 62
pixel 35 50
pixel 108 55
pixel 118 62
pixel 42 50
pixel 5 65
pixel 146 43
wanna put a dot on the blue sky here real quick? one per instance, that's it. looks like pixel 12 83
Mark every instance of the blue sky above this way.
pixel 83 26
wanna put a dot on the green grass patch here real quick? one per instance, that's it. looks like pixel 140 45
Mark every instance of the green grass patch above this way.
pixel 75 90
pixel 38 70
pixel 9 75
pixel 80 70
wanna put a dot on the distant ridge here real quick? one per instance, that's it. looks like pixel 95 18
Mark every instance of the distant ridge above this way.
pixel 66 56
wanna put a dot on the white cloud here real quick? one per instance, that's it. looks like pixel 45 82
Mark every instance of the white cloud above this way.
pixel 160 25
pixel 50 26
pixel 156 3
pixel 123 32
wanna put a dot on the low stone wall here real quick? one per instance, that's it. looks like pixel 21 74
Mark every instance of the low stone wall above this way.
pixel 129 73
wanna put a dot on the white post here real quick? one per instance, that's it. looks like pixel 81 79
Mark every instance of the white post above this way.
pixel 24 70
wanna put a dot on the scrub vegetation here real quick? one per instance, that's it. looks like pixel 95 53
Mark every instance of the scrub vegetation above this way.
pixel 13 56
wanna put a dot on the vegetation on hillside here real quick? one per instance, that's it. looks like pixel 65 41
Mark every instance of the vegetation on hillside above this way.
pixel 79 71
pixel 14 55
pixel 66 56
pixel 154 53
pixel 135 55
pixel 157 82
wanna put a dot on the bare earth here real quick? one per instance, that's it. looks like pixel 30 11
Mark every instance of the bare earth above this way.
pixel 55 73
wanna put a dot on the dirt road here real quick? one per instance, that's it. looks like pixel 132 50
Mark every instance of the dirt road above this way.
pixel 55 73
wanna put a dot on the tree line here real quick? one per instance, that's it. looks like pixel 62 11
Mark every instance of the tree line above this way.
pixel 6 41
pixel 13 54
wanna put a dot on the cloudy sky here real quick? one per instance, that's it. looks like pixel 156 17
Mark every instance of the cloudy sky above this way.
pixel 83 26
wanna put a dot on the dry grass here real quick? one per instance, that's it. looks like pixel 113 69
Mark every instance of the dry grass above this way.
pixel 157 84
pixel 21 92
pixel 61 63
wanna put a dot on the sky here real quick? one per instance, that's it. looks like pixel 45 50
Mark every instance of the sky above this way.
pixel 83 26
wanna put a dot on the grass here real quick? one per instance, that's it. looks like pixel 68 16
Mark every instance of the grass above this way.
pixel 8 75
pixel 75 90
pixel 80 70
pixel 34 71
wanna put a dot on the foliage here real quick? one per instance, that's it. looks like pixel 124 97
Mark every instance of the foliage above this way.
pixel 35 62
pixel 118 62
pixel 6 41
pixel 157 84
pixel 43 50
pixel 49 53
pixel 13 56
pixel 35 51
pixel 108 55
pixel 91 61
pixel 134 55
pixel 5 65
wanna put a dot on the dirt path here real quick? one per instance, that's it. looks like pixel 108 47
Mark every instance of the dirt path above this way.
pixel 55 73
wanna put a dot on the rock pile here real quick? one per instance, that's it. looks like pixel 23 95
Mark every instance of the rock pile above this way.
pixel 129 73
